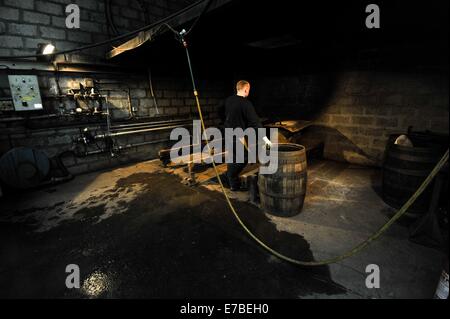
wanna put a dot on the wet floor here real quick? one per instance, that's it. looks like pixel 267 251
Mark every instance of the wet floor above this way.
pixel 139 232
pixel 169 240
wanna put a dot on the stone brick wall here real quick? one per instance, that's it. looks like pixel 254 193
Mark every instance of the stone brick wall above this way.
pixel 174 98
pixel 25 23
pixel 54 141
pixel 354 112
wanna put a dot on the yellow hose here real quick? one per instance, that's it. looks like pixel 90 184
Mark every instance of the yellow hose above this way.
pixel 349 253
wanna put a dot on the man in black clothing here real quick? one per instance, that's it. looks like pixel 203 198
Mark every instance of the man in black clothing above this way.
pixel 239 113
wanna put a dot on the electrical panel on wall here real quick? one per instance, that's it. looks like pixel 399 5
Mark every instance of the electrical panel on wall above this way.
pixel 25 92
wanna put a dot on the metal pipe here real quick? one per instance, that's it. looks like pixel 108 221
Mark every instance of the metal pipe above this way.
pixel 121 147
pixel 149 123
pixel 108 119
pixel 142 144
pixel 151 89
pixel 141 127
pixel 69 67
pixel 9 119
pixel 130 108
pixel 138 131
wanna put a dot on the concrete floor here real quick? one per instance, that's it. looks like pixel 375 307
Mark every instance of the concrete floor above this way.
pixel 137 231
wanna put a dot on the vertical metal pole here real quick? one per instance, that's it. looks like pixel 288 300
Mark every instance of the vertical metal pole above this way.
pixel 190 66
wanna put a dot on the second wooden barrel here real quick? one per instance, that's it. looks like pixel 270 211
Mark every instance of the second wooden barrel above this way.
pixel 283 193
pixel 405 168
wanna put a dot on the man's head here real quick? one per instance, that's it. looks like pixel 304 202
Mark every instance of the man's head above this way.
pixel 243 88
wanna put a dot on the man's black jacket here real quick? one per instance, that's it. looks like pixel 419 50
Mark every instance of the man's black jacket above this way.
pixel 237 111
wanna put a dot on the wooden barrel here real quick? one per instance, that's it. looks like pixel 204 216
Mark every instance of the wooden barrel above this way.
pixel 283 193
pixel 405 168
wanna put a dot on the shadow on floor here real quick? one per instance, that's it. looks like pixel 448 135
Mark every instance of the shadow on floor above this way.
pixel 173 241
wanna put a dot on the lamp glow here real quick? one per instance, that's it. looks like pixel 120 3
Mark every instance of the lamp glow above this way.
pixel 48 49
pixel 45 52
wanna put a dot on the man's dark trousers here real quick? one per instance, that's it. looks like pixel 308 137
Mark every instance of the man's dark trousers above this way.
pixel 234 169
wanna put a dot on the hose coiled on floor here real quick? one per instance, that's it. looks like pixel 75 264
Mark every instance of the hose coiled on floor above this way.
pixel 349 253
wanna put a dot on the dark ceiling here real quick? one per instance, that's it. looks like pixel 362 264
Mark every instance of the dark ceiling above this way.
pixel 284 37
